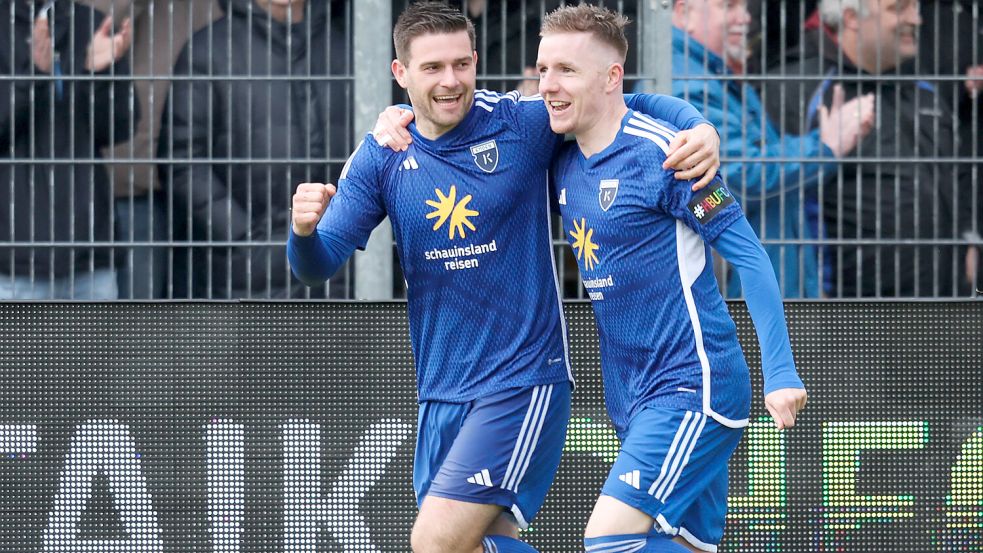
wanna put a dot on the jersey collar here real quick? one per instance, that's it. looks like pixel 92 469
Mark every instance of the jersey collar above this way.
pixel 451 137
pixel 599 157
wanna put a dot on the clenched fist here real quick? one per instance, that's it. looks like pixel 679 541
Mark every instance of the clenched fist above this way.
pixel 310 201
pixel 784 405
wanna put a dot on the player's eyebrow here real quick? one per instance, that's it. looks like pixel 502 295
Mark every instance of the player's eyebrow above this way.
pixel 461 59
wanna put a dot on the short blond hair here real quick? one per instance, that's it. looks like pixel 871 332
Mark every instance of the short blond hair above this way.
pixel 606 25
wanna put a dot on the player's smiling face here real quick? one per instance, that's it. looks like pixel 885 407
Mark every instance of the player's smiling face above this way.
pixel 572 78
pixel 439 76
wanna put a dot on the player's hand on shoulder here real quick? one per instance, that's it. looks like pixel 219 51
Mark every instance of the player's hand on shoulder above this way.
pixel 309 202
pixel 390 128
pixel 784 405
pixel 695 153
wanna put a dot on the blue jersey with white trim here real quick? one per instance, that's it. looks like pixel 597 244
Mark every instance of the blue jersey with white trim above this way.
pixel 470 214
pixel 641 240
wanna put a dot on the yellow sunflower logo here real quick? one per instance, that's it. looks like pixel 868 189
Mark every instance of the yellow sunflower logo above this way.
pixel 584 245
pixel 447 207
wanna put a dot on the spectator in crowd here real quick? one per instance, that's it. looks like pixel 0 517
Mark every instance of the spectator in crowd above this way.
pixel 161 30
pixel 50 118
pixel 234 198
pixel 775 27
pixel 885 201
pixel 949 45
pixel 710 38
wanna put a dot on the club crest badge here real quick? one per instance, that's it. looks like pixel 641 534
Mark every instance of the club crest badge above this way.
pixel 607 193
pixel 486 155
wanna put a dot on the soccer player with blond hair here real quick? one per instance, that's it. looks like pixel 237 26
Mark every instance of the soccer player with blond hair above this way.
pixel 677 386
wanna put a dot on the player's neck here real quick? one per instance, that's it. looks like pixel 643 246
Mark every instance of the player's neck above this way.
pixel 605 129
pixel 432 130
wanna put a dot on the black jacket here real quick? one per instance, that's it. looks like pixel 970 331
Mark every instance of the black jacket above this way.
pixel 249 121
pixel 57 202
pixel 884 200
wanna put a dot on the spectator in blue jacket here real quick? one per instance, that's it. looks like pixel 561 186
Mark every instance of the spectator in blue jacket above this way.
pixel 709 41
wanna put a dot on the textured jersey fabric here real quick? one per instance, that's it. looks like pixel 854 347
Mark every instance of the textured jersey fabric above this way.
pixel 640 238
pixel 470 217
pixel 470 213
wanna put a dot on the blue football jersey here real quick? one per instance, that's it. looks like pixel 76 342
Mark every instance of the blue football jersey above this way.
pixel 641 240
pixel 470 215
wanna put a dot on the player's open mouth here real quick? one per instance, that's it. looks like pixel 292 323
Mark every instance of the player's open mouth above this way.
pixel 447 99
pixel 557 107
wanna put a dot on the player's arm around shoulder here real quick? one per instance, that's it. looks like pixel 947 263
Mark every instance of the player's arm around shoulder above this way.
pixel 694 149
pixel 390 129
pixel 695 154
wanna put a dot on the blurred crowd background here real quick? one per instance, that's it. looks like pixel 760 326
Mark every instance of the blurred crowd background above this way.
pixel 149 148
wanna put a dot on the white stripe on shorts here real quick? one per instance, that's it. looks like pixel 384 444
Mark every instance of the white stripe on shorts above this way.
pixel 682 456
pixel 533 419
pixel 672 450
pixel 531 449
pixel 689 451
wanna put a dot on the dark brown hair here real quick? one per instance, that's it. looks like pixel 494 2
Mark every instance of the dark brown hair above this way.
pixel 425 18
pixel 604 24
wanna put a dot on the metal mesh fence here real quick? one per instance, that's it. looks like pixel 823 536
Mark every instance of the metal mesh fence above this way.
pixel 897 211
pixel 154 155
pixel 166 169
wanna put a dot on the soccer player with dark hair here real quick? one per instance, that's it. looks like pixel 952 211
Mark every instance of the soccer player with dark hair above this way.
pixel 677 386
pixel 469 205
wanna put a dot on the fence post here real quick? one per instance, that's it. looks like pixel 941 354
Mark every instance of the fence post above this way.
pixel 656 46
pixel 373 92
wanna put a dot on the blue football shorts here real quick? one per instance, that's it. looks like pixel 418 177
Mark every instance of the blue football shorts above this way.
pixel 673 467
pixel 503 449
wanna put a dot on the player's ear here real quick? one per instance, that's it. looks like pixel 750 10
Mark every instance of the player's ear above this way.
pixel 616 77
pixel 399 71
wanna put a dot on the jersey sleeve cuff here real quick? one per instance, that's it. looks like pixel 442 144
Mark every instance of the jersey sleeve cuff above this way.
pixel 783 381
